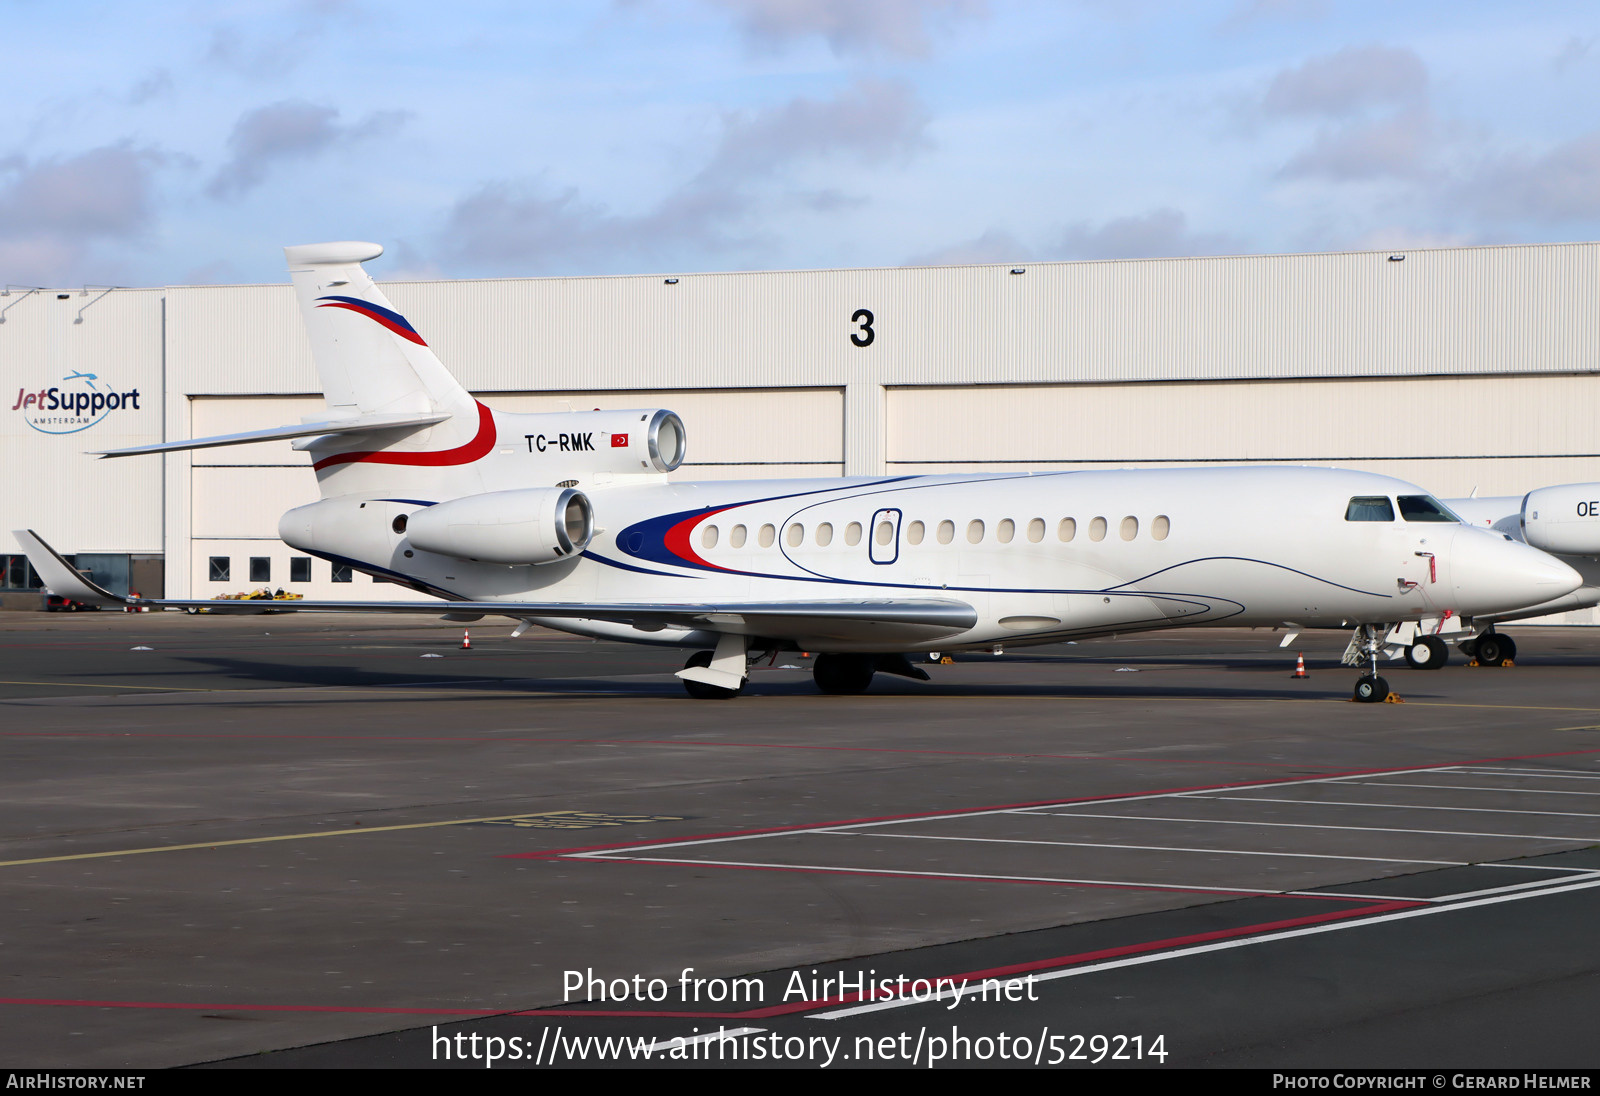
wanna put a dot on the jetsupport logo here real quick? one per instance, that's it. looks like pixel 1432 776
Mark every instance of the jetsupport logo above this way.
pixel 66 410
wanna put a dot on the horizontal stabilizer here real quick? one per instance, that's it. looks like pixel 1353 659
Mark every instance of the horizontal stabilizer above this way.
pixel 365 424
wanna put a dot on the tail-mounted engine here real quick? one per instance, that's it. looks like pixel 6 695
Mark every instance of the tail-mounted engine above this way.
pixel 565 444
pixel 531 526
pixel 1564 520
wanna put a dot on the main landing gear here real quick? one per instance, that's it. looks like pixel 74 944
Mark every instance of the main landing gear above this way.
pixel 1370 688
pixel 722 674
pixel 1427 653
pixel 1491 649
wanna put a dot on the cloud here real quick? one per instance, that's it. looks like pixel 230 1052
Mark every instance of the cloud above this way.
pixel 1574 52
pixel 263 53
pixel 994 246
pixel 871 122
pixel 1347 82
pixel 288 130
pixel 1161 233
pixel 1562 184
pixel 522 224
pixel 53 210
pixel 1392 147
pixel 849 26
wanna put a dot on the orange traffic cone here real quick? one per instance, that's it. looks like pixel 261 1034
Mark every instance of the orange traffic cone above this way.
pixel 466 640
pixel 1299 666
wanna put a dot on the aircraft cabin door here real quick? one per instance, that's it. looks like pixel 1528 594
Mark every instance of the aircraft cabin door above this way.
pixel 883 541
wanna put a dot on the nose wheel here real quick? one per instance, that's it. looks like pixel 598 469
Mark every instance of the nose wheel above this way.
pixel 1370 688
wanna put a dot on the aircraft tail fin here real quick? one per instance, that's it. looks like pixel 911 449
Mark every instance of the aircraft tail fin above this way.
pixel 370 359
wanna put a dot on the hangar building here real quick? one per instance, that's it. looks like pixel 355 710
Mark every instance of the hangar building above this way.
pixel 1457 368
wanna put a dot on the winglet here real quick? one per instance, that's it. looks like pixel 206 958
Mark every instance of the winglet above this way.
pixel 60 577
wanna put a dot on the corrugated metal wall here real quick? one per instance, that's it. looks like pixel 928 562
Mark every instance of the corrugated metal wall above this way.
pixel 1328 358
pixel 79 503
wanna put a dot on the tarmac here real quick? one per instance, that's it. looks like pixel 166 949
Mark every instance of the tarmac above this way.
pixel 284 840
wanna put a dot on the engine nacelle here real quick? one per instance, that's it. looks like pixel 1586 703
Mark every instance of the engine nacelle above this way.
pixel 579 442
pixel 535 525
pixel 1564 520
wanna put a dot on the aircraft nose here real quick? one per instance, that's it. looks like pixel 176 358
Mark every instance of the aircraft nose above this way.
pixel 1495 575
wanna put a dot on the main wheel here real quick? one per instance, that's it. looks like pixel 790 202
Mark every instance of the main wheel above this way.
pixel 1492 649
pixel 699 689
pixel 843 675
pixel 1372 690
pixel 1427 653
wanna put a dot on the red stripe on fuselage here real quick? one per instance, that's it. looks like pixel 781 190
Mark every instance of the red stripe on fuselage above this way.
pixel 410 336
pixel 481 444
pixel 676 540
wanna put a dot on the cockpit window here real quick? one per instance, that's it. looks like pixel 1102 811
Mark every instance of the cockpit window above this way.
pixel 1369 508
pixel 1424 508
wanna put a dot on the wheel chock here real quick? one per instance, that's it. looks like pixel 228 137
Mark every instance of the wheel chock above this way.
pixel 1393 698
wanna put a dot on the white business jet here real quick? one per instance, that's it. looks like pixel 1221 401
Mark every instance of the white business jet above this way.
pixel 569 520
pixel 1563 521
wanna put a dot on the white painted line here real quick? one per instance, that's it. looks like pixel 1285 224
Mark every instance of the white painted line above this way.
pixel 1226 945
pixel 1537 774
pixel 1513 887
pixel 1161 848
pixel 603 854
pixel 718 1036
pixel 1403 807
pixel 1134 884
pixel 1320 826
pixel 1468 788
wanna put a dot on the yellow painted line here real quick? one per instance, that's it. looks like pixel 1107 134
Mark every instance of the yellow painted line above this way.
pixel 259 840
pixel 86 685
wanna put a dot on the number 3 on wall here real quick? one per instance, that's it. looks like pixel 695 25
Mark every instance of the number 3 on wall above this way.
pixel 862 318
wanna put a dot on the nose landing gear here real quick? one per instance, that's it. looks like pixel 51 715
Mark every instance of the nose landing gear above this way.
pixel 1370 688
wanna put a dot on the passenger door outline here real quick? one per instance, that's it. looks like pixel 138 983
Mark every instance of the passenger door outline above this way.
pixel 884 554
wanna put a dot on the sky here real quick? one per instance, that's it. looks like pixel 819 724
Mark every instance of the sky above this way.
pixel 186 143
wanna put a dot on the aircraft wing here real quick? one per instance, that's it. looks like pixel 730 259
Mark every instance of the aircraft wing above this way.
pixel 883 620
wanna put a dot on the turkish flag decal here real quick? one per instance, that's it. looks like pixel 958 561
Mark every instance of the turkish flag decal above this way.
pixel 619 441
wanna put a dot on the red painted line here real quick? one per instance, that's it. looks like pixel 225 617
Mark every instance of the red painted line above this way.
pixel 253 1008
pixel 1052 963
pixel 479 446
pixel 620 742
pixel 960 811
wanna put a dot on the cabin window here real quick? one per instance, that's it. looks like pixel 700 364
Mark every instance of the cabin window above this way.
pixel 221 567
pixel 736 536
pixel 824 535
pixel 852 534
pixel 1036 530
pixel 795 535
pixel 299 568
pixel 1424 508
pixel 915 531
pixel 1130 528
pixel 885 532
pixel 974 532
pixel 1097 529
pixel 947 531
pixel 1160 527
pixel 708 537
pixel 1005 531
pixel 1369 508
pixel 1067 530
pixel 768 535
